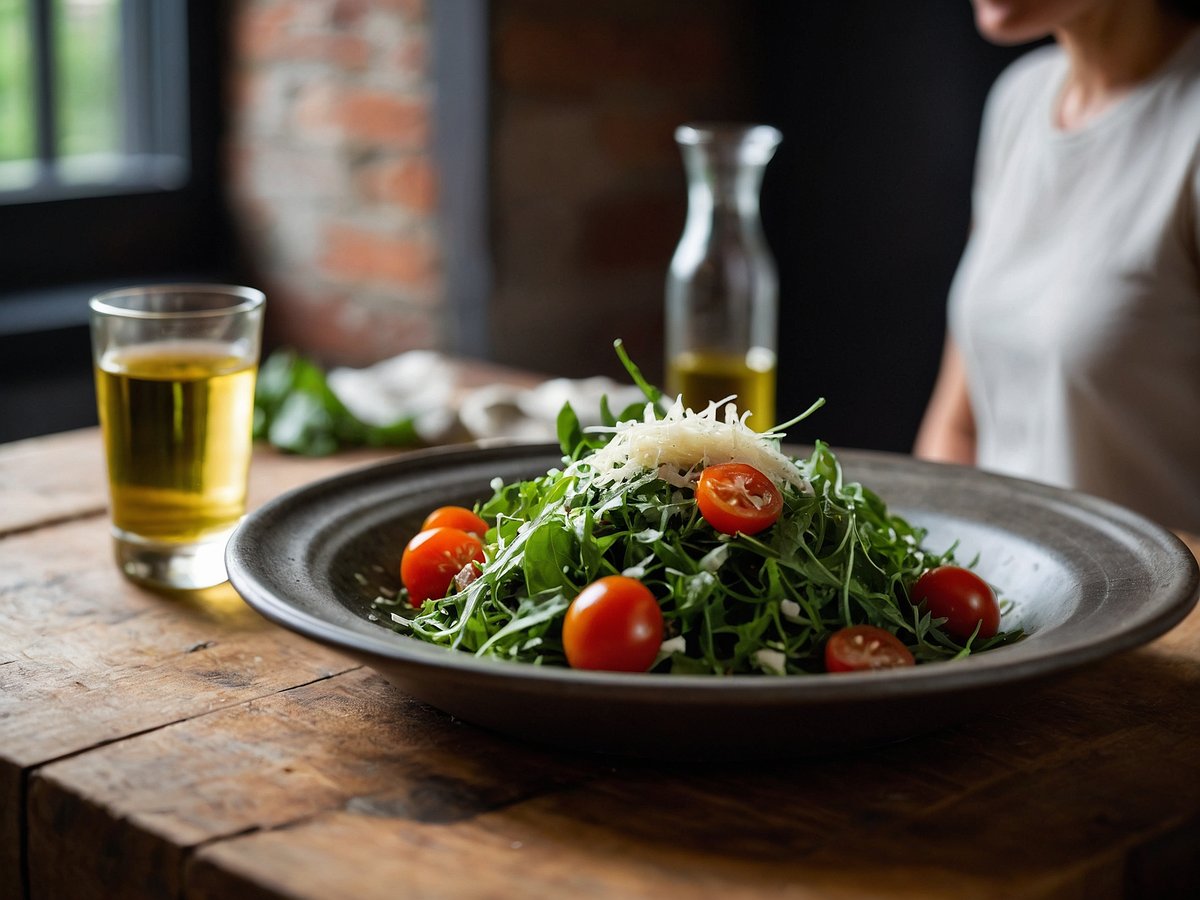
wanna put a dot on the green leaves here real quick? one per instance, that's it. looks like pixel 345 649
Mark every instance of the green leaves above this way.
pixel 740 604
pixel 550 557
pixel 295 410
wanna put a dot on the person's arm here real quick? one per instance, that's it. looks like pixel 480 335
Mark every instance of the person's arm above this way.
pixel 947 432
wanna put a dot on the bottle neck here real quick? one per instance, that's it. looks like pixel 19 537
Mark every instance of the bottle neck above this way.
pixel 712 193
pixel 725 172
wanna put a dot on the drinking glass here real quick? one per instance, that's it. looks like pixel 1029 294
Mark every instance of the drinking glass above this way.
pixel 175 367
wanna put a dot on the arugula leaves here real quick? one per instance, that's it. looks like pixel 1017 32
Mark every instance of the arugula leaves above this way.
pixel 734 603
pixel 836 557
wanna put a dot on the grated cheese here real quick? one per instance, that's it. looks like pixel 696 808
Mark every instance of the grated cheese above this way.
pixel 678 446
pixel 770 661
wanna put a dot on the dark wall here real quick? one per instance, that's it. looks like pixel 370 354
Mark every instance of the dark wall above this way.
pixel 867 202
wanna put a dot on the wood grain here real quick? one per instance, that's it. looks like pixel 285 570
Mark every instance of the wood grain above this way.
pixel 350 742
pixel 45 480
pixel 87 658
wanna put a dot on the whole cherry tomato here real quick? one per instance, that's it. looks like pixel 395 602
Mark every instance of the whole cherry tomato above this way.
pixel 862 647
pixel 433 558
pixel 736 497
pixel 456 517
pixel 614 624
pixel 962 598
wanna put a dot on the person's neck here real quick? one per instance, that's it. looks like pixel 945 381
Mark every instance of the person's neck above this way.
pixel 1111 50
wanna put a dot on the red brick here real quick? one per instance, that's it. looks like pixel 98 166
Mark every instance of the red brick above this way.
pixel 345 51
pixel 314 111
pixel 360 255
pixel 410 56
pixel 410 183
pixel 365 117
pixel 258 27
pixel 346 13
pixel 382 118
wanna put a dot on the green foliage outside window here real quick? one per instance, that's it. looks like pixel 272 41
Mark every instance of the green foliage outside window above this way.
pixel 86 48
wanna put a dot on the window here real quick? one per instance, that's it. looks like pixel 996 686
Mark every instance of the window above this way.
pixel 109 142
pixel 93 97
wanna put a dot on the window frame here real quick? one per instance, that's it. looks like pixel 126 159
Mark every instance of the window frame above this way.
pixel 153 84
pixel 166 220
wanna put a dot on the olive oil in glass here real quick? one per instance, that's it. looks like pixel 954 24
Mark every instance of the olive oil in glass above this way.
pixel 177 421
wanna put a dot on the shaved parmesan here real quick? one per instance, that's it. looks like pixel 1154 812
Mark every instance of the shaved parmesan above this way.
pixel 679 445
pixel 770 661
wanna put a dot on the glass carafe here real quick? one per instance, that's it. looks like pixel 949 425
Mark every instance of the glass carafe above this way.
pixel 722 288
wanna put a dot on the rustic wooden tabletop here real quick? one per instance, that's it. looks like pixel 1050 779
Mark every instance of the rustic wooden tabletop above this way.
pixel 181 746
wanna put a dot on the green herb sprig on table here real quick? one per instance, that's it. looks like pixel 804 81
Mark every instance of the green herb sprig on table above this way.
pixel 295 410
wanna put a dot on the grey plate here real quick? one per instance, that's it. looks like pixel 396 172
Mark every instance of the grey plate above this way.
pixel 1088 580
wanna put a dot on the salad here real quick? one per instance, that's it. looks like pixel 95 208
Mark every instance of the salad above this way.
pixel 680 541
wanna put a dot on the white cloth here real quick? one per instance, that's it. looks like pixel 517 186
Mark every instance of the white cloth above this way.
pixel 1077 302
pixel 424 385
pixel 419 384
pixel 501 411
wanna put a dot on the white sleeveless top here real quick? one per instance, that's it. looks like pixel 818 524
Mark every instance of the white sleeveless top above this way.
pixel 1077 301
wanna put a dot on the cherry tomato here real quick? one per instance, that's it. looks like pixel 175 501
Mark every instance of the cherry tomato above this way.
pixel 962 598
pixel 433 558
pixel 736 497
pixel 862 647
pixel 615 625
pixel 456 517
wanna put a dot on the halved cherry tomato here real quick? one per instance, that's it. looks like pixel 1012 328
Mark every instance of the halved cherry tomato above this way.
pixel 614 625
pixel 736 497
pixel 862 647
pixel 433 558
pixel 962 598
pixel 456 517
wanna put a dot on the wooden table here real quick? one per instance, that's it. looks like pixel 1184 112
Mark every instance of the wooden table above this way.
pixel 158 746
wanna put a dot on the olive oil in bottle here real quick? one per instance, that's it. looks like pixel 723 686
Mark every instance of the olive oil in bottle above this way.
pixel 722 287
pixel 704 378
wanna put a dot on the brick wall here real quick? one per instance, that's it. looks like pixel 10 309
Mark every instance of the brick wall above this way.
pixel 333 183
pixel 336 191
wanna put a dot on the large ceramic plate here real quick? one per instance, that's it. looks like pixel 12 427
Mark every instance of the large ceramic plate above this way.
pixel 1088 579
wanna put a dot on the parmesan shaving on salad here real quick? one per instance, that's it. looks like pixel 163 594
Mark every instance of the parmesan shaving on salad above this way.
pixel 683 442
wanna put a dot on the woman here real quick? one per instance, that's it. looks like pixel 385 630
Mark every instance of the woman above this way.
pixel 1073 354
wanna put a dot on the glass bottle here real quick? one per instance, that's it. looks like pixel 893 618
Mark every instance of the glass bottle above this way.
pixel 722 287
